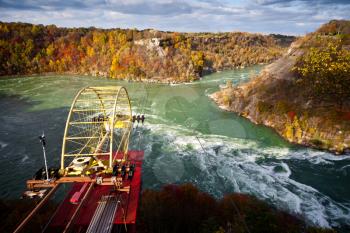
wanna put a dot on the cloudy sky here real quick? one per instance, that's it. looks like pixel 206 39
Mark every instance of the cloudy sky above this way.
pixel 295 17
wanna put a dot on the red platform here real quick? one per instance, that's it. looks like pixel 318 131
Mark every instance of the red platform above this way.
pixel 126 213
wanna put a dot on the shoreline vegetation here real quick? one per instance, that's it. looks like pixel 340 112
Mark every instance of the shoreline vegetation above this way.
pixel 279 97
pixel 305 95
pixel 183 208
pixel 129 54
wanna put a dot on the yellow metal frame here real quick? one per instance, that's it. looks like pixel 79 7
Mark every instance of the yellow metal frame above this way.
pixel 110 102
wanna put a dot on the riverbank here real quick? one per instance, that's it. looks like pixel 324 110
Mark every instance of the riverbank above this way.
pixel 304 112
pixel 124 54
pixel 155 80
pixel 279 123
pixel 72 74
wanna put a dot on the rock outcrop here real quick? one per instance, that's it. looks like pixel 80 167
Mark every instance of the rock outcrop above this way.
pixel 275 99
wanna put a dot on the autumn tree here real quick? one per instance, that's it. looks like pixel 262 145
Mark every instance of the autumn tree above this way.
pixel 198 61
pixel 326 71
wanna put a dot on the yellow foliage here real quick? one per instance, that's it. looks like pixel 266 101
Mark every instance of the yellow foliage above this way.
pixel 220 230
pixel 50 50
pixel 99 38
pixel 52 65
pixel 122 38
pixel 227 100
pixel 289 132
pixel 29 47
pixel 90 51
pixel 296 122
pixel 4 29
pixel 298 133
pixel 35 29
pixel 227 97
pixel 115 66
pixel 326 70
pixel 198 60
pixel 312 130
pixel 293 130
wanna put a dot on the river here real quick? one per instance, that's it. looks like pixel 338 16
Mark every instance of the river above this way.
pixel 186 138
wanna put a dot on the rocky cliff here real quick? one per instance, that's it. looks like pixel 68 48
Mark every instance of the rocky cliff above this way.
pixel 303 107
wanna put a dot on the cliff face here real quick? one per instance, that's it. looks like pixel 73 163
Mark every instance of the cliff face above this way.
pixel 147 55
pixel 301 111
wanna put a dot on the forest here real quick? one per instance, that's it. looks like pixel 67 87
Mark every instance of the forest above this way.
pixel 143 55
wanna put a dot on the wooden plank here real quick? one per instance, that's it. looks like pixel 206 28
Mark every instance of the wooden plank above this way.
pixel 69 179
pixel 31 184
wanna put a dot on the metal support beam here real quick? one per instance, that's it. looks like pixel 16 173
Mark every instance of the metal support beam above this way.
pixel 86 122
pixel 89 100
pixel 89 110
pixel 75 138
pixel 91 154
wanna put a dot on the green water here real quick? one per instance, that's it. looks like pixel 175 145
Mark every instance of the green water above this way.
pixel 186 138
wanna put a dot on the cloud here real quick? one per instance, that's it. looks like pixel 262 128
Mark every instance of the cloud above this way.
pixel 266 16
pixel 42 4
pixel 309 2
pixel 149 8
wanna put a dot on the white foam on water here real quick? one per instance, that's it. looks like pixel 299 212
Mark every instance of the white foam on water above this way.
pixel 24 158
pixel 3 145
pixel 315 156
pixel 37 87
pixel 345 167
pixel 209 91
pixel 230 164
